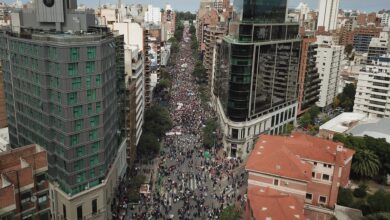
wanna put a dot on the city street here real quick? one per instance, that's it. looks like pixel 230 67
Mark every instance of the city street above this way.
pixel 190 182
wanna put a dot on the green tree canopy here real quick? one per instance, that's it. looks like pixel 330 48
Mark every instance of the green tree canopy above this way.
pixel 231 213
pixel 148 144
pixel 365 163
pixel 379 202
pixel 157 121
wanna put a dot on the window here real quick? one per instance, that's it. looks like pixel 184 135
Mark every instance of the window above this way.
pixel 235 133
pixel 80 213
pixel 313 174
pixel 54 82
pixel 64 211
pixel 315 163
pixel 93 160
pixel 78 165
pixel 91 53
pixel 93 135
pixel 78 125
pixel 276 182
pixel 98 107
pixel 73 69
pixel 78 111
pixel 95 147
pixel 74 54
pixel 74 140
pixel 322 199
pixel 90 67
pixel 89 109
pixel 309 196
pixel 98 80
pixel 72 98
pixel 325 177
pixel 76 83
pixel 80 177
pixel 94 121
pixel 94 206
pixel 88 82
pixel 80 151
pixel 91 95
pixel 92 174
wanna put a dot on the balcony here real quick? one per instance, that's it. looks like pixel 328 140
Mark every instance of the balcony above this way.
pixel 234 140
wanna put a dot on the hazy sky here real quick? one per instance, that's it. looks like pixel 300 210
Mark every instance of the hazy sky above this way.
pixel 192 5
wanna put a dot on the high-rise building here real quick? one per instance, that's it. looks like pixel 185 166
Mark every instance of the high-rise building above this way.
pixel 61 84
pixel 329 60
pixel 309 80
pixel 372 92
pixel 327 16
pixel 362 38
pixel 378 46
pixel 24 188
pixel 255 81
pixel 3 113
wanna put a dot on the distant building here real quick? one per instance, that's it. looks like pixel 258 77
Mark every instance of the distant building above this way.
pixel 362 38
pixel 341 124
pixel 329 60
pixel 24 187
pixel 372 92
pixel 327 16
pixel 153 15
pixel 308 168
pixel 376 128
pixel 385 21
pixel 378 46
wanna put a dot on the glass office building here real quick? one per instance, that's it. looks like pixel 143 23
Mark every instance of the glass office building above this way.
pixel 258 64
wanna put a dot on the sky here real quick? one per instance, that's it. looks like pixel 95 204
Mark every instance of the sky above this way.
pixel 193 5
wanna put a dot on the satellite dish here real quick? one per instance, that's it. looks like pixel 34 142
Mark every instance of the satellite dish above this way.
pixel 33 198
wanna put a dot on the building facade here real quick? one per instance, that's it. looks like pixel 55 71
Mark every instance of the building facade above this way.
pixel 378 46
pixel 309 80
pixel 308 168
pixel 327 15
pixel 372 92
pixel 256 75
pixel 24 189
pixel 329 64
pixel 62 93
pixel 3 113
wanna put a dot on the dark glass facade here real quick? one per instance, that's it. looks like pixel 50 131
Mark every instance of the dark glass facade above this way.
pixel 260 11
pixel 258 62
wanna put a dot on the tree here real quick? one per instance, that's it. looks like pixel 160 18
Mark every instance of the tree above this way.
pixel 348 49
pixel 361 191
pixel 305 119
pixel 148 144
pixel 231 213
pixel 345 197
pixel 314 111
pixel 157 121
pixel 365 163
pixel 208 133
pixel 378 216
pixel 192 29
pixel 200 72
pixel 379 202
pixel 346 98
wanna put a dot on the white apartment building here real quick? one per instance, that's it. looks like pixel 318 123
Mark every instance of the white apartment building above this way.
pixel 373 89
pixel 153 15
pixel 378 46
pixel 329 64
pixel 385 19
pixel 328 12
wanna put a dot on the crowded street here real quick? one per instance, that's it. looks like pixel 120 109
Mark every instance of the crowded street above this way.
pixel 189 182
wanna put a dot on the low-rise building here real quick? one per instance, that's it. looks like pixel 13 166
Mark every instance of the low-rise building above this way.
pixel 24 188
pixel 308 168
pixel 341 124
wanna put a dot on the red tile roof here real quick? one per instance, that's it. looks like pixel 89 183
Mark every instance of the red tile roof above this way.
pixel 282 155
pixel 268 203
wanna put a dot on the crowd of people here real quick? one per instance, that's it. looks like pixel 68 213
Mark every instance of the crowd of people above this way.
pixel 190 183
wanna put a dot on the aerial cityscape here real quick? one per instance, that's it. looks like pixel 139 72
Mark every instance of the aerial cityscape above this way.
pixel 198 109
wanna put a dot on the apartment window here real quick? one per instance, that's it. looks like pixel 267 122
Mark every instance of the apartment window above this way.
pixel 89 109
pixel 76 83
pixel 322 199
pixel 78 165
pixel 90 67
pixel 94 206
pixel 74 139
pixel 92 174
pixel 315 163
pixel 78 125
pixel 93 135
pixel 313 174
pixel 95 147
pixel 64 211
pixel 98 107
pixel 78 111
pixel 98 80
pixel 80 177
pixel 72 98
pixel 91 95
pixel 234 133
pixel 73 69
pixel 93 160
pixel 54 82
pixel 94 121
pixel 91 53
pixel 74 54
pixel 276 182
pixel 325 177
pixel 309 196
pixel 88 82
pixel 80 151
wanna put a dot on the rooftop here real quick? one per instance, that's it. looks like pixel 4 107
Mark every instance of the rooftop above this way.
pixel 267 203
pixel 288 156
pixel 376 128
pixel 343 122
pixel 4 139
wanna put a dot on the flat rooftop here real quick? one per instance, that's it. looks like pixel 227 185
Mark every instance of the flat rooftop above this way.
pixel 343 122
pixel 376 128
